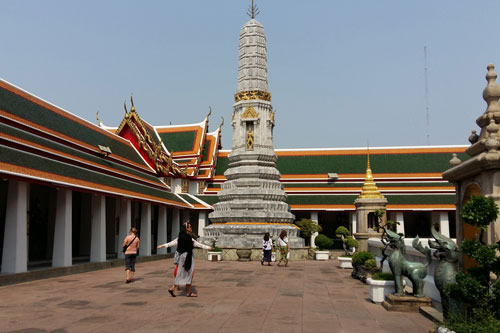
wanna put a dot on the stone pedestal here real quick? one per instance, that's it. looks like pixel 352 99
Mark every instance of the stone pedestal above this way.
pixel 249 235
pixel 244 254
pixel 405 303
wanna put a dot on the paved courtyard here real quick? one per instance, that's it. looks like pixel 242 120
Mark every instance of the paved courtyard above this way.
pixel 308 296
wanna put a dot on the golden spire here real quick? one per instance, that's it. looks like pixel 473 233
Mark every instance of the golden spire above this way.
pixel 370 190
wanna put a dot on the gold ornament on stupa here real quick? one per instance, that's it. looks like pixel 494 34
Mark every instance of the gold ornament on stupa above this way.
pixel 370 189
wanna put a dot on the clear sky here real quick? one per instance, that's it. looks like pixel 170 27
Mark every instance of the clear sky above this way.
pixel 341 73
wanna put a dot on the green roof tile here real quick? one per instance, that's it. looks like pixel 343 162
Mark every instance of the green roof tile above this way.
pixel 32 112
pixel 179 141
pixel 20 158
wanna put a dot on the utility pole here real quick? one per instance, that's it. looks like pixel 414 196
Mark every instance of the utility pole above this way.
pixel 427 113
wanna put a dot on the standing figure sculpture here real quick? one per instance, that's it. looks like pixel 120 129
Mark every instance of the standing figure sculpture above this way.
pixel 400 266
pixel 250 139
pixel 447 253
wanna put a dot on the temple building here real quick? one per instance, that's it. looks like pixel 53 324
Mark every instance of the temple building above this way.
pixel 70 189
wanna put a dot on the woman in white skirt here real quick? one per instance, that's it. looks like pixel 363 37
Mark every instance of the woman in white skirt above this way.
pixel 185 244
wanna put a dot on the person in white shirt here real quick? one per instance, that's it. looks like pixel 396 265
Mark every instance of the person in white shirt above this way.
pixel 267 248
pixel 284 247
pixel 185 244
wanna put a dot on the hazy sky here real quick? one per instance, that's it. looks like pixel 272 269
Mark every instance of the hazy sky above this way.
pixel 341 73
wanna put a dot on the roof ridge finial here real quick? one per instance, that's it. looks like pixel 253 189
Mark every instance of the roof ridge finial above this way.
pixel 253 11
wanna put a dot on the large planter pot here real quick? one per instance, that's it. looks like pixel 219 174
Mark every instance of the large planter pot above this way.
pixel 379 288
pixel 345 262
pixel 244 254
pixel 321 255
pixel 214 256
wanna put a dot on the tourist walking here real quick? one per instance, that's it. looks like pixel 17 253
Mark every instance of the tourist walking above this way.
pixel 284 247
pixel 185 269
pixel 130 247
pixel 267 249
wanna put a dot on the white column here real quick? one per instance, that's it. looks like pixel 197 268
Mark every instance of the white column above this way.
pixel 98 229
pixel 125 224
pixel 162 228
pixel 202 223
pixel 314 218
pixel 15 240
pixel 400 229
pixel 353 222
pixel 444 224
pixel 176 225
pixel 145 248
pixel 62 255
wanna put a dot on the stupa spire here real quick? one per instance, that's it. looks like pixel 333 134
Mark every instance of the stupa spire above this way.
pixel 370 189
pixel 253 11
pixel 252 60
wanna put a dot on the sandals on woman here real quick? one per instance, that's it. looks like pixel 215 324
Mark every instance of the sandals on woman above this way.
pixel 171 293
pixel 191 295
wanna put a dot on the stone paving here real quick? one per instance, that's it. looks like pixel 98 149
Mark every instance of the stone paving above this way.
pixel 307 296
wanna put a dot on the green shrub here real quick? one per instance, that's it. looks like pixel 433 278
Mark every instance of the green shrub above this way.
pixel 383 276
pixel 307 228
pixel 216 249
pixel 342 231
pixel 479 294
pixel 360 257
pixel 350 242
pixel 323 242
pixel 370 264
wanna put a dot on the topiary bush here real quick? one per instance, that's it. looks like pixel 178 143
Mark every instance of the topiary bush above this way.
pixel 360 257
pixel 307 228
pixel 370 264
pixel 342 232
pixel 477 288
pixel 323 242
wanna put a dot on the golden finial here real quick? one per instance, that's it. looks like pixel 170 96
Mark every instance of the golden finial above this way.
pixel 209 112
pixel 125 106
pixel 222 123
pixel 253 11
pixel 370 189
pixel 132 101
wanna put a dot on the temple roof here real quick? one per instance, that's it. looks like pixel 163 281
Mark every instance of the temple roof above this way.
pixel 43 143
pixel 325 179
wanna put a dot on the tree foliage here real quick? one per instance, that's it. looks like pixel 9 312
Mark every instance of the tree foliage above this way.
pixel 323 242
pixel 479 211
pixel 307 228
pixel 479 287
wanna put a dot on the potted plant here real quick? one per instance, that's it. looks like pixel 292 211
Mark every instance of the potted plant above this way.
pixel 364 265
pixel 349 243
pixel 215 254
pixel 324 243
pixel 380 284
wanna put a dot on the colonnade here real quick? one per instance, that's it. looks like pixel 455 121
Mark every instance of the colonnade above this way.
pixel 16 230
pixel 440 219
